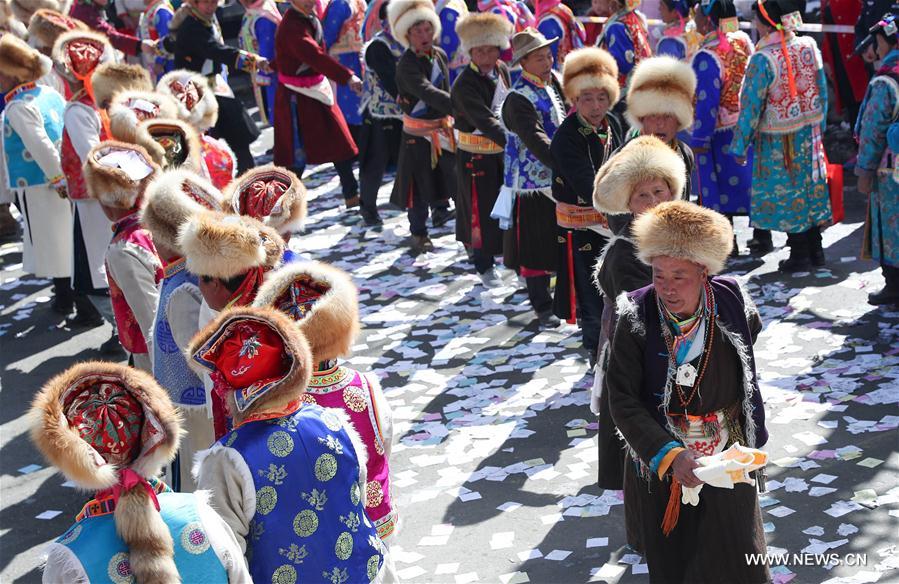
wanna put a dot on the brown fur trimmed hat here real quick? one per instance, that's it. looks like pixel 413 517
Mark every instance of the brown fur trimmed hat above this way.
pixel 172 143
pixel 194 97
pixel 131 107
pixel 484 29
pixel 110 78
pixel 643 158
pixel 46 25
pixel 684 230
pixel 661 85
pixel 271 194
pixel 218 245
pixel 9 22
pixel 78 53
pixel 404 14
pixel 172 199
pixel 590 68
pixel 117 173
pixel 55 420
pixel 21 62
pixel 322 299
pixel 276 344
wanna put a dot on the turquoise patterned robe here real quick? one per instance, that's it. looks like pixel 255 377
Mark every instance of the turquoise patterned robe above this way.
pixel 875 157
pixel 789 199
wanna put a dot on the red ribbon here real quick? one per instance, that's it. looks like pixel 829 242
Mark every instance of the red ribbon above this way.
pixel 128 479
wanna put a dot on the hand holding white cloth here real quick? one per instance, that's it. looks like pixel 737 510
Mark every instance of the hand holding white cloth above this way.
pixel 724 470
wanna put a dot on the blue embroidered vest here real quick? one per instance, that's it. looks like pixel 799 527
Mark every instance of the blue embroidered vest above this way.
pixel 104 556
pixel 380 103
pixel 310 524
pixel 21 169
pixel 524 172
pixel 169 365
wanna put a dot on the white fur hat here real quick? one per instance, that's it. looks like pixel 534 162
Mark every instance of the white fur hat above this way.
pixel 484 29
pixel 643 158
pixel 404 14
pixel 590 68
pixel 661 85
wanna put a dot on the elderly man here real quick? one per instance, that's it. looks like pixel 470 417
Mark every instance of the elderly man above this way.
pixel 531 113
pixel 425 173
pixel 479 162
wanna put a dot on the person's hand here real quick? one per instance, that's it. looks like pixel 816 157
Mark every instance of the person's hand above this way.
pixel 148 47
pixel 741 160
pixel 865 184
pixel 355 84
pixel 61 190
pixel 264 65
pixel 682 469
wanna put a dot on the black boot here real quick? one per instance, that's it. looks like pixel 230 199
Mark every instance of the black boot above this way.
pixel 799 257
pixel 761 242
pixel 63 296
pixel 735 252
pixel 889 294
pixel 87 316
pixel 816 251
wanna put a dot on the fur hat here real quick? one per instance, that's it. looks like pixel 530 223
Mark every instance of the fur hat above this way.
pixel 404 14
pixel 223 246
pixel 110 78
pixel 684 230
pixel 661 85
pixel 46 25
pixel 172 199
pixel 194 97
pixel 116 173
pixel 282 360
pixel 643 158
pixel 590 68
pixel 484 29
pixel 9 22
pixel 24 9
pixel 271 194
pixel 21 62
pixel 171 143
pixel 70 418
pixel 78 53
pixel 322 299
pixel 131 107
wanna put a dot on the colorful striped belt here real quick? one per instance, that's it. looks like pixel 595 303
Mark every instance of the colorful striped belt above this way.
pixel 577 217
pixel 478 144
pixel 439 133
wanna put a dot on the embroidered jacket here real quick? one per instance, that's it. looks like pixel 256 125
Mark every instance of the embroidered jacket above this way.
pixel 559 22
pixel 22 170
pixel 625 36
pixel 726 68
pixel 375 96
pixel 784 114
pixel 72 164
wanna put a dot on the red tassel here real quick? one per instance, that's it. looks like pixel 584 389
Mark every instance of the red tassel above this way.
pixel 672 511
pixel 572 299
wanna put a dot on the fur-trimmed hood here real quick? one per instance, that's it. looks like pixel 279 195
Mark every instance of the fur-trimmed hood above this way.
pixel 63 447
pixel 154 132
pixel 21 62
pixel 131 107
pixel 404 14
pixel 223 246
pixel 72 43
pixel 46 25
pixel 194 97
pixel 684 230
pixel 271 194
pixel 117 173
pixel 643 158
pixel 661 85
pixel 172 199
pixel 110 78
pixel 205 350
pixel 590 68
pixel 9 22
pixel 322 299
pixel 484 29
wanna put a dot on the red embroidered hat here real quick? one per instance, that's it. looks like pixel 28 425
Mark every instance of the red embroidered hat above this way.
pixel 271 194
pixel 196 99
pixel 253 353
pixel 77 53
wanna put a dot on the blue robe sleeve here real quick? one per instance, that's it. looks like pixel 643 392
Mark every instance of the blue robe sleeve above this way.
pixel 163 18
pixel 872 125
pixel 265 37
pixel 708 97
pixel 449 40
pixel 673 47
pixel 338 12
pixel 753 97
pixel 551 28
pixel 621 47
pixel 822 91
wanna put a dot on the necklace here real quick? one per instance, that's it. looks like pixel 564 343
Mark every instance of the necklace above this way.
pixel 687 376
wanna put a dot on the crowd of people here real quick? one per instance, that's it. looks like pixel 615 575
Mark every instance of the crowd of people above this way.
pixel 607 175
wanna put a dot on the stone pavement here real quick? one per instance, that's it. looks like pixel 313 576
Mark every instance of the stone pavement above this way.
pixel 494 456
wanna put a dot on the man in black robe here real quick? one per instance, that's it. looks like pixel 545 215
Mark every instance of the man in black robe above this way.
pixel 479 160
pixel 425 174
pixel 580 146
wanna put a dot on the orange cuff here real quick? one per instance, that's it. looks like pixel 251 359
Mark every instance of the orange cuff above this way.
pixel 668 459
